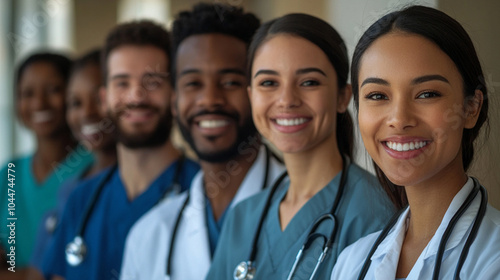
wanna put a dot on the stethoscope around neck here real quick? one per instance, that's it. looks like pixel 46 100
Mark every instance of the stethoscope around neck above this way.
pixel 446 235
pixel 175 229
pixel 76 250
pixel 247 269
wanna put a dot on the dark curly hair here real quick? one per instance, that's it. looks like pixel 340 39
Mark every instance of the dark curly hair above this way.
pixel 212 18
pixel 139 33
pixel 92 57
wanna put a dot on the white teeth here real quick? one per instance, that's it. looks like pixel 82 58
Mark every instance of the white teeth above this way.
pixel 290 122
pixel 89 129
pixel 404 147
pixel 213 123
pixel 42 116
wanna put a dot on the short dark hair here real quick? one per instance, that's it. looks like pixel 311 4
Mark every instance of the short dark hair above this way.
pixel 61 63
pixel 138 33
pixel 323 35
pixel 212 18
pixel 453 40
pixel 92 57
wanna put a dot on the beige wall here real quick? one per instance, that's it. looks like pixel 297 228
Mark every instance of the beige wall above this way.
pixel 480 19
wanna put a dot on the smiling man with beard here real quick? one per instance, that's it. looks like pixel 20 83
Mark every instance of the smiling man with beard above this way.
pixel 177 239
pixel 100 212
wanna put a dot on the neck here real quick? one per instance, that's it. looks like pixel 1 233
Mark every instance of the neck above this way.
pixel 103 158
pixel 429 200
pixel 140 167
pixel 221 181
pixel 49 152
pixel 309 173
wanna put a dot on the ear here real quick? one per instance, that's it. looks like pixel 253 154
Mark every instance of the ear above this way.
pixel 343 98
pixel 102 99
pixel 173 103
pixel 473 108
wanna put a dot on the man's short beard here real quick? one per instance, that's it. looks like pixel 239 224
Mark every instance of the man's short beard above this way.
pixel 244 132
pixel 156 138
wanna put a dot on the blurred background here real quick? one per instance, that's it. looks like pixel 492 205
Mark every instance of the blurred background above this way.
pixel 75 26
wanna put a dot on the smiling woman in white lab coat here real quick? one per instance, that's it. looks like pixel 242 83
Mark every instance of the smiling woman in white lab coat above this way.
pixel 421 99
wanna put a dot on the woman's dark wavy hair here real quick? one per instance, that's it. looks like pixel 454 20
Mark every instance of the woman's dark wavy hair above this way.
pixel 329 41
pixel 453 40
pixel 212 18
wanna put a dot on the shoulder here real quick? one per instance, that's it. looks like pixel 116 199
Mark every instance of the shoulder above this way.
pixel 353 257
pixel 159 218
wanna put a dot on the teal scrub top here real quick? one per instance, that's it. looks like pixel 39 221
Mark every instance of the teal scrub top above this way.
pixel 363 209
pixel 33 199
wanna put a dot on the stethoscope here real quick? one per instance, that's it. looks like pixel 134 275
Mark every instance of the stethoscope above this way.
pixel 247 269
pixel 446 235
pixel 76 250
pixel 186 202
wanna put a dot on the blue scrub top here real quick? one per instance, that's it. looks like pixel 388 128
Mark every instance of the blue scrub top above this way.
pixel 111 219
pixel 33 199
pixel 363 209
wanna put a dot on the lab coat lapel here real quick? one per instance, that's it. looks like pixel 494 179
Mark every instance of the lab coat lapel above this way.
pixel 194 258
pixel 386 257
pixel 250 185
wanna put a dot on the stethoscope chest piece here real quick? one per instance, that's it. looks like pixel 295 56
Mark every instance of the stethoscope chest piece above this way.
pixel 76 251
pixel 244 271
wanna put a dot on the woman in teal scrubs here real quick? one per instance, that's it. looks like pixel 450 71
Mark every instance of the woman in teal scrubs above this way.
pixel 299 94
pixel 41 107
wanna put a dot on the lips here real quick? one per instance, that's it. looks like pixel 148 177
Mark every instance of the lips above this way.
pixel 404 147
pixel 42 116
pixel 90 129
pixel 214 123
pixel 291 122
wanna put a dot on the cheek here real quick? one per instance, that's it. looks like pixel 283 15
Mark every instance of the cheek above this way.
pixel 367 127
pixel 259 109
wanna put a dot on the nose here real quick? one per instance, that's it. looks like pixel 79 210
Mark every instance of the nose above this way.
pixel 90 109
pixel 401 115
pixel 211 96
pixel 288 97
pixel 137 93
pixel 40 100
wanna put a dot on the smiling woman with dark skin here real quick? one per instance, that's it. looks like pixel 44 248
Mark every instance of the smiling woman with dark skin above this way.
pixel 40 94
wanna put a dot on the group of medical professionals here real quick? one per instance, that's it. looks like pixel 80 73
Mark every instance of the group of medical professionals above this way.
pixel 107 194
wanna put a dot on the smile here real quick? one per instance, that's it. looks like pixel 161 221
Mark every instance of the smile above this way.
pixel 42 116
pixel 405 147
pixel 291 122
pixel 89 129
pixel 213 123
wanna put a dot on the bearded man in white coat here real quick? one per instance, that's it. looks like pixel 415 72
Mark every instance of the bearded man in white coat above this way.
pixel 177 239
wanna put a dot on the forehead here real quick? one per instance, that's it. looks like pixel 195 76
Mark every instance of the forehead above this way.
pixel 278 51
pixel 40 71
pixel 210 53
pixel 136 60
pixel 405 56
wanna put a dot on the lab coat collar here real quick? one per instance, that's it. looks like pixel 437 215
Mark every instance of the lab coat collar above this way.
pixel 462 226
pixel 387 253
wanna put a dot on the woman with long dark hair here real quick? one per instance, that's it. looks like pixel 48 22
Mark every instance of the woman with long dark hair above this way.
pixel 421 99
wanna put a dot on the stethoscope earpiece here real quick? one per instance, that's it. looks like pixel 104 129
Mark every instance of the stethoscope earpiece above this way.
pixel 76 251
pixel 244 271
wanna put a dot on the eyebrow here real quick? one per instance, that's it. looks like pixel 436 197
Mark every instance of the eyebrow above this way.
pixel 298 72
pixel 222 71
pixel 148 74
pixel 415 81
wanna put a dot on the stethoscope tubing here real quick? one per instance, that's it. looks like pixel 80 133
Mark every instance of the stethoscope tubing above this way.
pixel 446 235
pixel 186 203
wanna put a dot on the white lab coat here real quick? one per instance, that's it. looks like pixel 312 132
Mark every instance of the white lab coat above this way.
pixel 148 242
pixel 483 260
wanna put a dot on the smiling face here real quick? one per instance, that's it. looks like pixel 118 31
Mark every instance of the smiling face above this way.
pixel 411 109
pixel 41 100
pixel 85 117
pixel 137 95
pixel 211 103
pixel 294 94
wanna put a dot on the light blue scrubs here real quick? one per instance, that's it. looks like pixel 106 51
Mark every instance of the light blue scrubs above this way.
pixel 363 209
pixel 108 225
pixel 33 199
